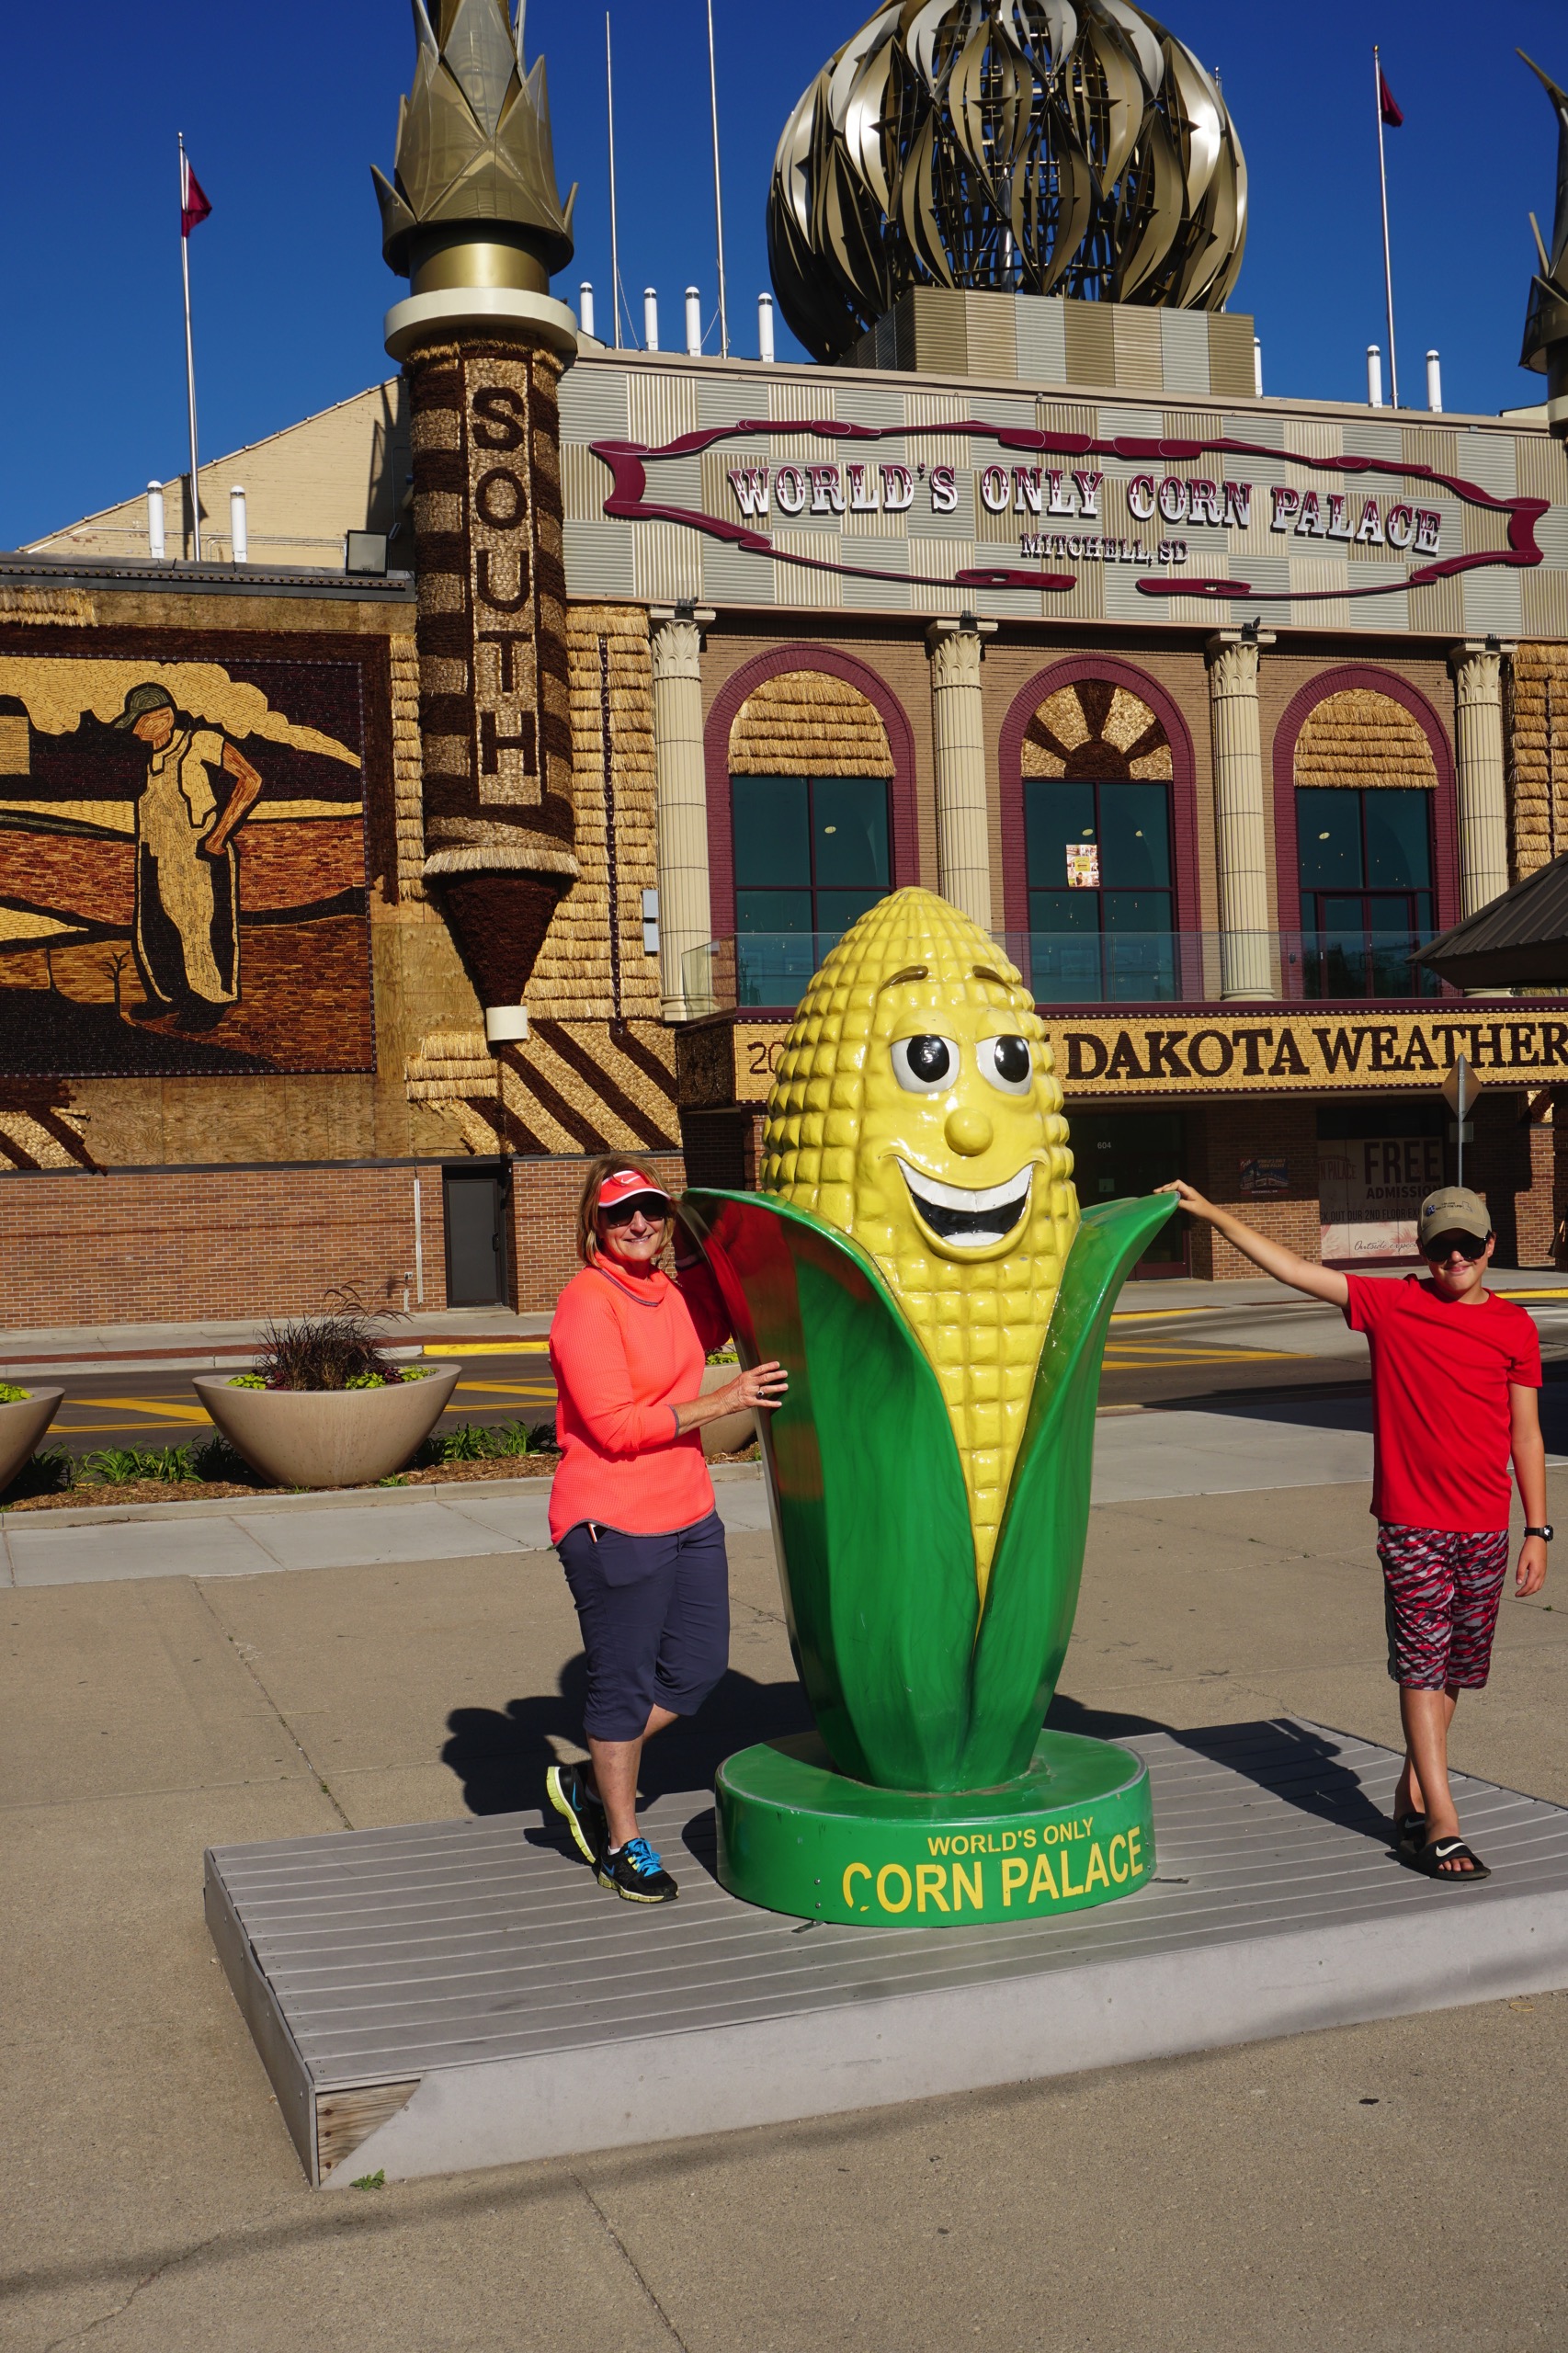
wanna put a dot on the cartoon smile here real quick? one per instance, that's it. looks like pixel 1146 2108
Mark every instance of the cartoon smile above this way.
pixel 968 1217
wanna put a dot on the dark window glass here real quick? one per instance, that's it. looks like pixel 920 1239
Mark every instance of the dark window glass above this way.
pixel 1113 943
pixel 811 854
pixel 850 833
pixel 1135 836
pixel 1366 883
pixel 1055 814
pixel 1328 828
pixel 772 831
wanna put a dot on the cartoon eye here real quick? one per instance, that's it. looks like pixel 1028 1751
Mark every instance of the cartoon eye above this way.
pixel 923 1064
pixel 1008 1063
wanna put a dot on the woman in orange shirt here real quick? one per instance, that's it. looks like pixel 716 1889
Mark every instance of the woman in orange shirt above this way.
pixel 632 1509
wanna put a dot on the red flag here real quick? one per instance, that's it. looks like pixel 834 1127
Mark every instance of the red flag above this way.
pixel 194 207
pixel 1389 112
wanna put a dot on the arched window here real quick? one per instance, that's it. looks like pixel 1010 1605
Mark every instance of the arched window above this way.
pixel 809 766
pixel 1097 775
pixel 1365 780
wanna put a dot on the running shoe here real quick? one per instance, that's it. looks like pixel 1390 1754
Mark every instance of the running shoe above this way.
pixel 636 1874
pixel 569 1793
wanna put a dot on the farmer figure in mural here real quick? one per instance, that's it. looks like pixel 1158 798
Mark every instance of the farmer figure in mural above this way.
pixel 186 936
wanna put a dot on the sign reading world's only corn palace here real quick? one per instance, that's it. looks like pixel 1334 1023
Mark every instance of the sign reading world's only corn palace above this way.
pixel 1209 1054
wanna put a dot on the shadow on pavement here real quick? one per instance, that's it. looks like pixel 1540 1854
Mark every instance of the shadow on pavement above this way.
pixel 501 1756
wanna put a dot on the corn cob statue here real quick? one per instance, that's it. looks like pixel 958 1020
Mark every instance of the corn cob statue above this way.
pixel 917 1260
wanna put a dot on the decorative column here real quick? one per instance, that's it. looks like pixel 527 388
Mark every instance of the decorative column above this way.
pixel 1483 790
pixel 685 909
pixel 475 223
pixel 963 817
pixel 1246 942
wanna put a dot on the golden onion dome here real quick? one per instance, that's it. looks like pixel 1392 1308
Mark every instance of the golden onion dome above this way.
pixel 1023 147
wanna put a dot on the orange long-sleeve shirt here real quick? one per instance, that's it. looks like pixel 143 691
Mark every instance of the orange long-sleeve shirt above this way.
pixel 625 1350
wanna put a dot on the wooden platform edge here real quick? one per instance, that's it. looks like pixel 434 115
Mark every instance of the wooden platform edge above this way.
pixel 919 2046
pixel 280 2055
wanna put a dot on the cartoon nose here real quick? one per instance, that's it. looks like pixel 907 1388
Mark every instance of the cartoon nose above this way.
pixel 969 1132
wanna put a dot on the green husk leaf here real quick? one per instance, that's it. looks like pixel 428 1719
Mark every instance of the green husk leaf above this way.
pixel 873 1516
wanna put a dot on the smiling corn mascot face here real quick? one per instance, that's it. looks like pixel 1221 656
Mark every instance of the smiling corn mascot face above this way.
pixel 917 1110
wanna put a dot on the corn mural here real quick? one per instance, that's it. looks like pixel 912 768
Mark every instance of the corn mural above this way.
pixel 918 1262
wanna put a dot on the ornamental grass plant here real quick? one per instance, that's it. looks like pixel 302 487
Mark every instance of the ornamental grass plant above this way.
pixel 341 1348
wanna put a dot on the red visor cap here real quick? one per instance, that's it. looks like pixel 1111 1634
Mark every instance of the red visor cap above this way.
pixel 624 1186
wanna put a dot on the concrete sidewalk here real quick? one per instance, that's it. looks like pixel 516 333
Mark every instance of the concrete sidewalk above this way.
pixel 1273 2196
pixel 34 1352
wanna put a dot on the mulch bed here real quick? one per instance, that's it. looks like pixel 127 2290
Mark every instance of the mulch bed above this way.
pixel 190 1491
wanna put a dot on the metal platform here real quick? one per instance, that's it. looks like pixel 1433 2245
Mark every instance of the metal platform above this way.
pixel 462 1993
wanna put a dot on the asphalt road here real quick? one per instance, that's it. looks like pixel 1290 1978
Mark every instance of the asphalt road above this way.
pixel 1157 1354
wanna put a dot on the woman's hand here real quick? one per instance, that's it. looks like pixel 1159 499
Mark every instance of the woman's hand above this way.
pixel 764 1385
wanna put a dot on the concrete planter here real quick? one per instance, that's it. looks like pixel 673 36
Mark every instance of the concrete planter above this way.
pixel 22 1424
pixel 730 1431
pixel 328 1437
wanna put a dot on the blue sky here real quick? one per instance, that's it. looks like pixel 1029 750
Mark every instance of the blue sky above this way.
pixel 285 106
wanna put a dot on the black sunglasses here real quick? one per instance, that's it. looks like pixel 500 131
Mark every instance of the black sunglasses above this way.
pixel 624 1213
pixel 1443 1249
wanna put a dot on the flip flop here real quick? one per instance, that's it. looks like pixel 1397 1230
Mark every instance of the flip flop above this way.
pixel 1410 1832
pixel 1429 1861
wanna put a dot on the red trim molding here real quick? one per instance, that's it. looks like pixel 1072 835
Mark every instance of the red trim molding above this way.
pixel 1184 794
pixel 905 842
pixel 1445 811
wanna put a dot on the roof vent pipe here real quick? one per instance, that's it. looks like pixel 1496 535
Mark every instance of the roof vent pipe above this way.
pixel 650 319
pixel 1257 367
pixel 693 324
pixel 155 545
pixel 765 329
pixel 239 533
pixel 1374 377
pixel 1433 383
pixel 585 308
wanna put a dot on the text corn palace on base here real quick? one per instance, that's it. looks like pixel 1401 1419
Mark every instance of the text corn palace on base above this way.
pixel 916 1109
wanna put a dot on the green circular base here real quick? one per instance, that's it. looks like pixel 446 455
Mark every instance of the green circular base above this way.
pixel 797 1836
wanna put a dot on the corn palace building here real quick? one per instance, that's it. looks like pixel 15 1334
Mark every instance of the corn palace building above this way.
pixel 349 904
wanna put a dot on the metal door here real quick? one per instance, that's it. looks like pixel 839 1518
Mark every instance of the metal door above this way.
pixel 476 1195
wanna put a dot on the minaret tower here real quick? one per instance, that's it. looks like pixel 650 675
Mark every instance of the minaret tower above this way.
pixel 473 219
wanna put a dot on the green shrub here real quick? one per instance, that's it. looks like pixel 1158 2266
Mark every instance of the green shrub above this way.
pixel 248 1381
pixel 365 1380
pixel 482 1442
pixel 49 1472
pixel 126 1466
pixel 11 1395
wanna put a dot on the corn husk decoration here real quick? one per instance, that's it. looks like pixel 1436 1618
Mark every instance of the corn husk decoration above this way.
pixel 918 1262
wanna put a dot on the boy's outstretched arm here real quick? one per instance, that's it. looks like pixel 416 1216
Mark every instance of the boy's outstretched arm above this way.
pixel 1285 1266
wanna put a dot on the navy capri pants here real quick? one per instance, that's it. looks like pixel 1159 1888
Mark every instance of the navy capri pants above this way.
pixel 654 1612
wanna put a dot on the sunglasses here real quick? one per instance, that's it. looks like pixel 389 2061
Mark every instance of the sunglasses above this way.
pixel 642 1204
pixel 1443 1249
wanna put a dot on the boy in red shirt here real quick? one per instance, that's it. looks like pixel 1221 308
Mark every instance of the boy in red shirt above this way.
pixel 1455 1372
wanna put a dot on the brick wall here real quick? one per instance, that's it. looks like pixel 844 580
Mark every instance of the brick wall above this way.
pixel 181 1244
pixel 1512 1164
pixel 1219 1141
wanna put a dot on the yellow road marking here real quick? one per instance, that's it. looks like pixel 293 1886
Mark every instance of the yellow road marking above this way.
pixel 1532 1294
pixel 155 1412
pixel 507 1388
pixel 1128 1354
pixel 487 1348
pixel 1137 1314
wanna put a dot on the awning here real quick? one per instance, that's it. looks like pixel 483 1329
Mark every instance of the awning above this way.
pixel 1517 941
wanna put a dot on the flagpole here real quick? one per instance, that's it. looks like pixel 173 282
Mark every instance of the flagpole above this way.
pixel 614 236
pixel 1388 259
pixel 717 189
pixel 189 358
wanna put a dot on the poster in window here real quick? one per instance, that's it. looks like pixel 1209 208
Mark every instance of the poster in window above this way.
pixel 1262 1173
pixel 1370 1189
pixel 1082 866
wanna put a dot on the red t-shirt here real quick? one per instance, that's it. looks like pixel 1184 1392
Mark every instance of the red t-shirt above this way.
pixel 1440 1420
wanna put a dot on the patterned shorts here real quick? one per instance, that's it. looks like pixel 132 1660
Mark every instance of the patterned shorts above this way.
pixel 1441 1598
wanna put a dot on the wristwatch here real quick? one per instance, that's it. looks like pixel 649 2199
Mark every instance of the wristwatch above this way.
pixel 1547 1533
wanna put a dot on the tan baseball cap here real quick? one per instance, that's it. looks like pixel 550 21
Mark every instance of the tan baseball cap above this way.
pixel 1452 1211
